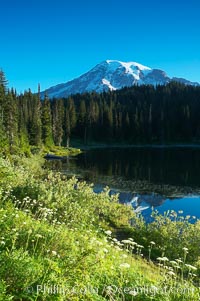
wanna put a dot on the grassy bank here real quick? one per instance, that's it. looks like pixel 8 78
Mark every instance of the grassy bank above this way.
pixel 61 241
pixel 56 150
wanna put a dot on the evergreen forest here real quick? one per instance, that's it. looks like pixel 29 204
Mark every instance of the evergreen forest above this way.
pixel 136 115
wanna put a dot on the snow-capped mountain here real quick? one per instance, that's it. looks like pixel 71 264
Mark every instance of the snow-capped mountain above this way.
pixel 112 75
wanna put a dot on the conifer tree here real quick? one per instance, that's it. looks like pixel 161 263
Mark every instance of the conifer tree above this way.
pixel 82 121
pixel 11 121
pixel 3 81
pixel 3 90
pixel 58 121
pixel 70 120
pixel 46 119
pixel 34 118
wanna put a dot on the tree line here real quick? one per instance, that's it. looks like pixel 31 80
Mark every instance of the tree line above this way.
pixel 135 115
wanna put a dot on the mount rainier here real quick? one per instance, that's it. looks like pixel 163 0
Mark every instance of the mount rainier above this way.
pixel 112 75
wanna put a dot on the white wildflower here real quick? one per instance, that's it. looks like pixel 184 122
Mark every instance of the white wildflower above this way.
pixel 108 232
pixel 133 243
pixel 99 243
pixel 140 246
pixel 179 260
pixel 126 241
pixel 124 256
pixel 171 273
pixel 118 248
pixel 115 240
pixel 124 265
pixel 191 267
pixel 162 259
pixel 38 235
pixel 173 262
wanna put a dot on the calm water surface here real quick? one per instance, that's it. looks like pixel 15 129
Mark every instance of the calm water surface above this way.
pixel 165 178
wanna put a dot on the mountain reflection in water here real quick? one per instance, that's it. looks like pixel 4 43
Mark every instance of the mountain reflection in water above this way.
pixel 159 177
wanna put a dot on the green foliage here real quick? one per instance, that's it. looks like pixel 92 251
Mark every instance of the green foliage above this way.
pixel 171 233
pixel 56 232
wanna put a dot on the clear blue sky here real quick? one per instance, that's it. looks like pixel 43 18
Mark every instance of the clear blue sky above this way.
pixel 50 42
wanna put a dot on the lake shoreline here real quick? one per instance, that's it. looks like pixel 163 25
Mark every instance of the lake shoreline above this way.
pixel 116 145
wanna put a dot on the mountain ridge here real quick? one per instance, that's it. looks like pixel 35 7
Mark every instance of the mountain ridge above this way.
pixel 111 75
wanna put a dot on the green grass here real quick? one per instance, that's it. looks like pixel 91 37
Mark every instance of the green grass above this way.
pixel 61 241
pixel 62 151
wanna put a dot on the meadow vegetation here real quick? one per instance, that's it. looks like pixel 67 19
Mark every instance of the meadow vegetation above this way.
pixel 61 241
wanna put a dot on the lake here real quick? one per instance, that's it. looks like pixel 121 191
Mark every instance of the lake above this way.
pixel 165 178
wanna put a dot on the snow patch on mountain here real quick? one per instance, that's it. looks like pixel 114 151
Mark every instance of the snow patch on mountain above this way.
pixel 108 84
